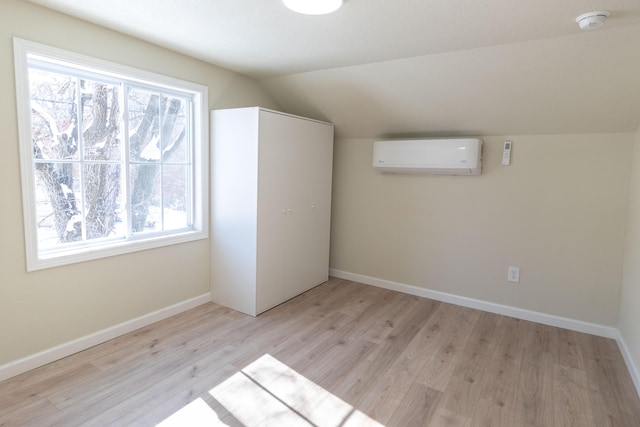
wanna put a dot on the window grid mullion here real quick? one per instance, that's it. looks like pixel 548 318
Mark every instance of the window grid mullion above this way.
pixel 81 148
pixel 189 197
pixel 126 197
pixel 161 163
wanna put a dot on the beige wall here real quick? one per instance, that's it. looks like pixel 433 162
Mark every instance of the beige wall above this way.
pixel 46 308
pixel 558 212
pixel 630 301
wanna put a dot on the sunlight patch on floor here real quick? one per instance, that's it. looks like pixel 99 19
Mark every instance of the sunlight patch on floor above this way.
pixel 195 414
pixel 269 393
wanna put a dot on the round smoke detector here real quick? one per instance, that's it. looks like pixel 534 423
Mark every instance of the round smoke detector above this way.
pixel 592 20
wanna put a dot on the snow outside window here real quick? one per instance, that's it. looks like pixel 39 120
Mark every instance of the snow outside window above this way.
pixel 113 158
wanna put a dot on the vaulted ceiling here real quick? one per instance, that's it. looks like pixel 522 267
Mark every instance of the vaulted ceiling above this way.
pixel 411 67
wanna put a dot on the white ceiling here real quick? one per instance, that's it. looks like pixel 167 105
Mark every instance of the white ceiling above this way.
pixel 411 67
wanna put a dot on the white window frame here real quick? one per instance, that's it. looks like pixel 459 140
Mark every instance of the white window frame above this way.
pixel 23 49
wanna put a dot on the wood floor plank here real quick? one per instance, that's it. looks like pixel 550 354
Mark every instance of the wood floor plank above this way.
pixel 306 336
pixel 568 350
pixel 382 357
pixel 342 353
pixel 446 418
pixel 499 385
pixel 571 397
pixel 166 402
pixel 50 384
pixel 29 413
pixel 465 388
pixel 456 328
pixel 610 387
pixel 163 336
pixel 417 408
pixel 131 401
pixel 535 391
pixel 150 369
pixel 408 367
pixel 384 324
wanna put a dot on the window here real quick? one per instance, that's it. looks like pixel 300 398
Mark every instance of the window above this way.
pixel 113 158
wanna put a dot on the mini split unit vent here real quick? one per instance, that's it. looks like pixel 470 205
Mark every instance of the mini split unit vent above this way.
pixel 430 156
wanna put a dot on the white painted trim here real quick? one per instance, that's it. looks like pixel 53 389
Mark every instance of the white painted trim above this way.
pixel 633 369
pixel 505 310
pixel 33 361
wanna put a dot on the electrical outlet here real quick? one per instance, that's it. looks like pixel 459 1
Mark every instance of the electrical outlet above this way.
pixel 513 274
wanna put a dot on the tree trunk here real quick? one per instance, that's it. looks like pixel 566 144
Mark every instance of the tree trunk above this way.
pixel 102 179
pixel 147 173
pixel 58 177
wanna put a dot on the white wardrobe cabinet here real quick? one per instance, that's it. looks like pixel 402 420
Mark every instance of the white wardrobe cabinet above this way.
pixel 270 206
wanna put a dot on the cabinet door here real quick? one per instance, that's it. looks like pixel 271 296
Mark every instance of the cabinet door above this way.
pixel 311 146
pixel 273 210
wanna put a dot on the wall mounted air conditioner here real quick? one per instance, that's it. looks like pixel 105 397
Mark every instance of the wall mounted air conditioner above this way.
pixel 433 156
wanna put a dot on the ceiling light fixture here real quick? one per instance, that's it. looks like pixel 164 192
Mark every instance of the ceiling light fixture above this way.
pixel 592 20
pixel 313 7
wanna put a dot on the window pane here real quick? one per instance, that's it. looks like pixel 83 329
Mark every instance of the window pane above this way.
pixel 146 198
pixel 174 130
pixel 174 181
pixel 58 204
pixel 100 121
pixel 102 189
pixel 144 125
pixel 53 115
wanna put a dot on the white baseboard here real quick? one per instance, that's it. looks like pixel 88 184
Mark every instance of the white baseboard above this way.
pixel 33 361
pixel 505 310
pixel 633 369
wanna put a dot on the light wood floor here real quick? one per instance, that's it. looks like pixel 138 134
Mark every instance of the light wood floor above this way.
pixel 340 354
